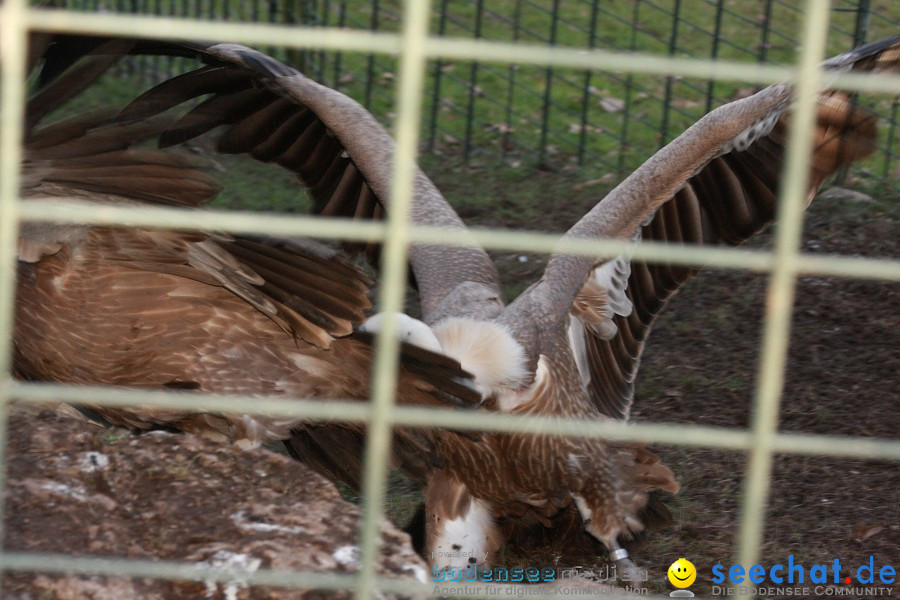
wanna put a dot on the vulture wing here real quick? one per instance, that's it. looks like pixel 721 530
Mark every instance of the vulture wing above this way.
pixel 331 143
pixel 716 184
pixel 181 309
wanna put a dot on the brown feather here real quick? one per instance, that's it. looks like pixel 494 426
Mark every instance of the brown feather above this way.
pixel 190 311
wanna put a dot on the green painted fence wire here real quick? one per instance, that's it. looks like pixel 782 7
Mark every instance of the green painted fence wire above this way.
pixel 415 47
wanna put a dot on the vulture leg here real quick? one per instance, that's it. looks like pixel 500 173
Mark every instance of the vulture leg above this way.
pixel 598 522
pixel 624 565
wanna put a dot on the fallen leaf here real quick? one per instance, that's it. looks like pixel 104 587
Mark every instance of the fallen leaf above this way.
pixel 612 105
pixel 607 178
pixel 684 103
pixel 864 531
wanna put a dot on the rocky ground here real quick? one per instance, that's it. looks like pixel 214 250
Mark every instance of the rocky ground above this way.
pixel 77 489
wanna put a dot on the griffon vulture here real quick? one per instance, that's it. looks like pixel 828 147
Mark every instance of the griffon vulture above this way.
pixel 223 313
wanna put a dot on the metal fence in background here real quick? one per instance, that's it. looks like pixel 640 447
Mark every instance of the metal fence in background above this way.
pixel 521 115
pixel 412 46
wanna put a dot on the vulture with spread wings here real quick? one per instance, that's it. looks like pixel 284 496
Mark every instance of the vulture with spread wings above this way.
pixel 222 313
pixel 185 310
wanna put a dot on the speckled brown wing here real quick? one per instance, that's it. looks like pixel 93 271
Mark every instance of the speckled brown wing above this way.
pixel 127 307
pixel 337 451
pixel 726 202
pixel 307 289
pixel 169 296
pixel 188 310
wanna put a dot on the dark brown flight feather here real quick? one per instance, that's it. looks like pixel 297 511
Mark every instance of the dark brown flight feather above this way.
pixel 187 310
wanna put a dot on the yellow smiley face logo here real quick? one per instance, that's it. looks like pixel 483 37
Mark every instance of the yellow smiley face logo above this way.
pixel 682 573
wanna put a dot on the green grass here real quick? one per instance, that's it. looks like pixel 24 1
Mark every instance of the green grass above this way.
pixel 507 102
pixel 403 502
pixel 256 186
pixel 614 141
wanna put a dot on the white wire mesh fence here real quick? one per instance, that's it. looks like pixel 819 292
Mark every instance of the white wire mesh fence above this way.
pixel 413 45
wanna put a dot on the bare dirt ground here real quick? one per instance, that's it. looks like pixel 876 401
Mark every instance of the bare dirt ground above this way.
pixel 700 368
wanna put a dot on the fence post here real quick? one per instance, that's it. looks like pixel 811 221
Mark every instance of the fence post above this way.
pixel 629 86
pixel 506 144
pixel 548 86
pixel 436 86
pixel 473 84
pixel 339 56
pixel 370 66
pixel 586 93
pixel 667 101
pixel 860 33
pixel 714 52
pixel 863 18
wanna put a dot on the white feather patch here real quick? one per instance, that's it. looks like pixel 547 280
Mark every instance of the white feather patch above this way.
pixel 512 399
pixel 487 351
pixel 760 129
pixel 613 277
pixel 409 330
pixel 347 556
pixel 464 538
pixel 583 508
pixel 576 342
pixel 231 561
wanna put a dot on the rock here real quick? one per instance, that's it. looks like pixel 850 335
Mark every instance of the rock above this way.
pixel 75 488
pixel 843 195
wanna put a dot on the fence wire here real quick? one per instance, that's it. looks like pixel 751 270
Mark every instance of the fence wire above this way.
pixel 520 114
pixel 413 46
